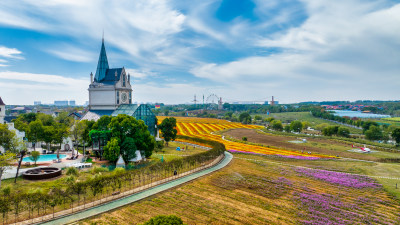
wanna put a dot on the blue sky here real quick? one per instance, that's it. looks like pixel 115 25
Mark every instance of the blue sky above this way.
pixel 306 50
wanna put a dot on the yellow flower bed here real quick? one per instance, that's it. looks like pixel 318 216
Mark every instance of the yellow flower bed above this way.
pixel 203 128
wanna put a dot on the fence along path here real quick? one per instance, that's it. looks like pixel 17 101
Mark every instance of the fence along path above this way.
pixel 125 198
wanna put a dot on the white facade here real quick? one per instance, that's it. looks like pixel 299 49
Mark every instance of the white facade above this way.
pixel 2 113
pixel 110 87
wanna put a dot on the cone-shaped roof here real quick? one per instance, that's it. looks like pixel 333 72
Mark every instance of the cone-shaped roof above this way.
pixel 102 65
pixel 1 102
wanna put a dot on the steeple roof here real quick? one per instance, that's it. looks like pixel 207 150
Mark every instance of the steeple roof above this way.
pixel 1 102
pixel 102 65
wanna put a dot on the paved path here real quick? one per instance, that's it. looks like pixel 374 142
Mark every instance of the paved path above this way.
pixel 139 196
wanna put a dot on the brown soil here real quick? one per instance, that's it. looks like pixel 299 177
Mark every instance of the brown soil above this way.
pixel 283 141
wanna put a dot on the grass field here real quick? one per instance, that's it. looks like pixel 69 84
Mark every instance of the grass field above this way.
pixel 287 117
pixel 264 192
pixel 313 144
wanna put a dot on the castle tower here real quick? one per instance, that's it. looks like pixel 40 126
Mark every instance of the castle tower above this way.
pixel 110 87
pixel 2 111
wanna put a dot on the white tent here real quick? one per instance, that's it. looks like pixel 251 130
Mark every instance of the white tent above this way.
pixel 138 157
pixel 120 162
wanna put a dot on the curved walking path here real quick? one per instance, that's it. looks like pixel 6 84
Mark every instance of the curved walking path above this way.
pixel 139 196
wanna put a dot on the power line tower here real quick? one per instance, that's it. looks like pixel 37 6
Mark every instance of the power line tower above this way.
pixel 195 101
pixel 203 100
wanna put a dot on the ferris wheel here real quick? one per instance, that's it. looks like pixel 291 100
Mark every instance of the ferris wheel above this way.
pixel 212 101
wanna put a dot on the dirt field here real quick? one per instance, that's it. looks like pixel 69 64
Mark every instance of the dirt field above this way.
pixel 329 147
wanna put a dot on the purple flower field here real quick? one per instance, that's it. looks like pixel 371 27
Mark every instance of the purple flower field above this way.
pixel 342 179
pixel 328 209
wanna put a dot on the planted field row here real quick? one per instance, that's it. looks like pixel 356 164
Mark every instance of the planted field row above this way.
pixel 205 128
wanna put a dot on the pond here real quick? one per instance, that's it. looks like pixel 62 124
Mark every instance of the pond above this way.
pixel 357 114
pixel 44 158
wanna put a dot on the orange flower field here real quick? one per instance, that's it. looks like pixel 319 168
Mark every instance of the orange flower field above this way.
pixel 205 128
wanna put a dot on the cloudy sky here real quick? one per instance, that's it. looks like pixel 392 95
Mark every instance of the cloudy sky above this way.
pixel 241 50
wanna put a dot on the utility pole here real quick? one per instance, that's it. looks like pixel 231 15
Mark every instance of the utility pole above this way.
pixel 195 101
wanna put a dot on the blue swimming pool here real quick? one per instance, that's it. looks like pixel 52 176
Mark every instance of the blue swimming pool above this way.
pixel 43 158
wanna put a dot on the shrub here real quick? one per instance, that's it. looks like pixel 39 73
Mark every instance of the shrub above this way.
pixel 164 220
pixel 244 138
pixel 98 169
pixel 35 155
pixel 277 125
pixel 343 132
pixel 296 126
pixel 72 171
pixel 119 170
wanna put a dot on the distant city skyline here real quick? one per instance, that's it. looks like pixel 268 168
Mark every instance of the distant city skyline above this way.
pixel 240 50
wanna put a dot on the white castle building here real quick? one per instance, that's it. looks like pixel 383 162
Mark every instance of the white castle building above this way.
pixel 2 111
pixel 110 93
pixel 110 87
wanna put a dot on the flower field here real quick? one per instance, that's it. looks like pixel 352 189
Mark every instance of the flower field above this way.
pixel 205 128
pixel 263 192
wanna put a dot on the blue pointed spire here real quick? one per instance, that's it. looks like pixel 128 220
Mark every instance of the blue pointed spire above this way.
pixel 102 65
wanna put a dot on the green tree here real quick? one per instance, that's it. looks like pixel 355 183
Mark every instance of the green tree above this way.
pixel 277 125
pixel 306 124
pixel 48 135
pixel 85 137
pixel 396 135
pixel 367 124
pixel 112 150
pixel 47 120
pixel 296 126
pixel 6 161
pixel 159 145
pixel 168 129
pixel 6 137
pixel 343 132
pixel 330 130
pixel 128 149
pixel 258 117
pixel 287 128
pixel 35 132
pixel 164 220
pixel 245 118
pixel 321 126
pixel 61 132
pixel 269 119
pixel 63 118
pixel 35 155
pixel 228 115
pixel 374 133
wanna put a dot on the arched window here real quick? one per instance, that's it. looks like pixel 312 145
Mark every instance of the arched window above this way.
pixel 117 97
pixel 124 81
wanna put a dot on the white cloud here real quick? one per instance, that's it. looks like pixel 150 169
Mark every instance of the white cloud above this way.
pixel 345 49
pixel 71 53
pixel 24 88
pixel 140 74
pixel 140 28
pixel 10 52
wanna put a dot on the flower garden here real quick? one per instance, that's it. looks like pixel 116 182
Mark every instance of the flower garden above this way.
pixel 263 192
pixel 205 128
